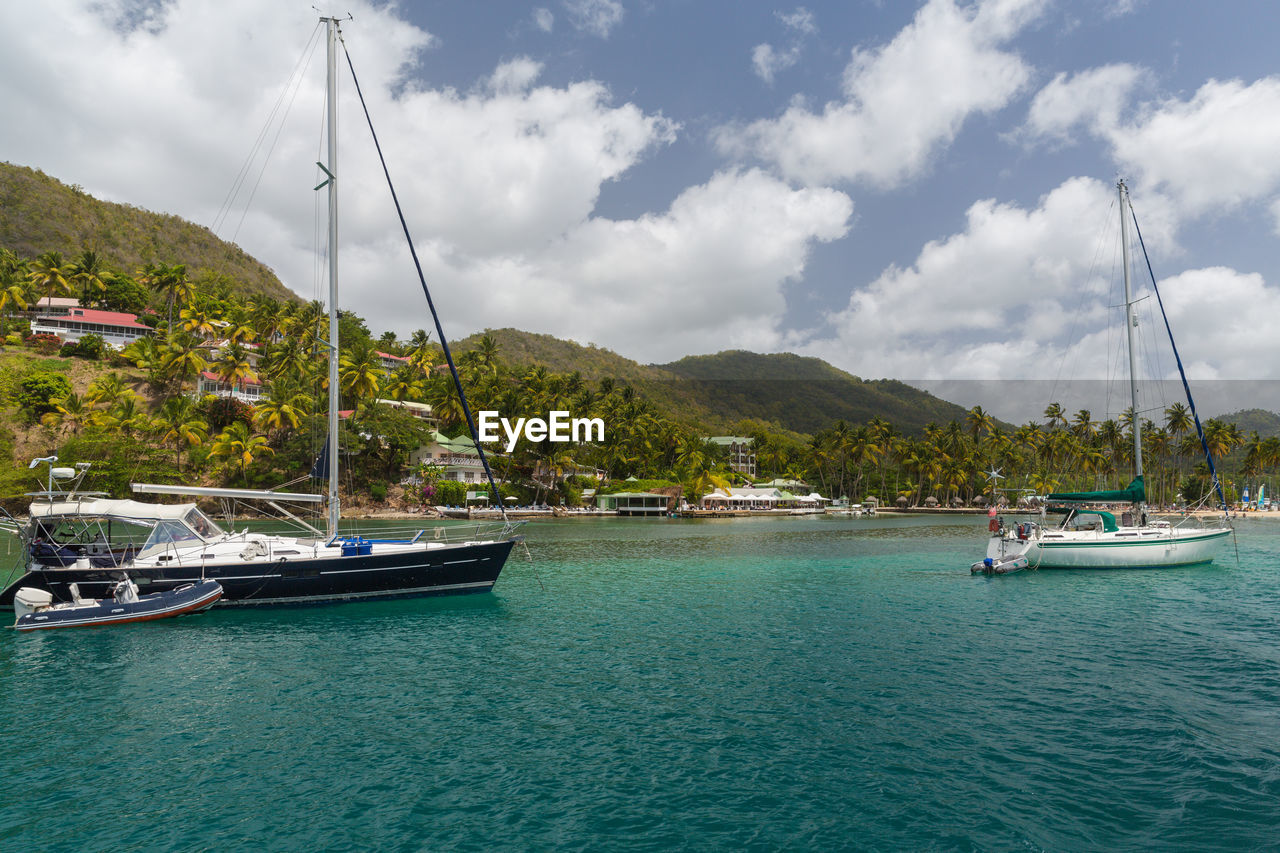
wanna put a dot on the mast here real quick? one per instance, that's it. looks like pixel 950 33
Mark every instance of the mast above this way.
pixel 331 96
pixel 1130 322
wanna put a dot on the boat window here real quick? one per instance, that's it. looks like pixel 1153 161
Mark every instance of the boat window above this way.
pixel 202 525
pixel 171 532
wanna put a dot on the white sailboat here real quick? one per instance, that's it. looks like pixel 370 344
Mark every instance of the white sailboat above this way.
pixel 79 542
pixel 1089 535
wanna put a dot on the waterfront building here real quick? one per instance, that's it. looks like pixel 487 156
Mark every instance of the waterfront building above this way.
pixel 741 457
pixel 796 486
pixel 758 498
pixel 635 503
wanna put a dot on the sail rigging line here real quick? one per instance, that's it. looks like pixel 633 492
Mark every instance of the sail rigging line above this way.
pixel 422 279
pixel 1204 443
pixel 294 82
pixel 1070 337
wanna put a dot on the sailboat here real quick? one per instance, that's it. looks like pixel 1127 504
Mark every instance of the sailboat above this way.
pixel 1089 535
pixel 82 543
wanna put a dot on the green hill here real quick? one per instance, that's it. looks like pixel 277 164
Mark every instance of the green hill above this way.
pixel 525 349
pixel 800 393
pixel 1265 424
pixel 793 392
pixel 41 214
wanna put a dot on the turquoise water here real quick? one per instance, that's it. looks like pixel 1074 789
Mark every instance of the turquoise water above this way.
pixel 792 683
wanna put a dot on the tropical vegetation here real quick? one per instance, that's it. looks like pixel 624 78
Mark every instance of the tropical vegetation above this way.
pixel 136 415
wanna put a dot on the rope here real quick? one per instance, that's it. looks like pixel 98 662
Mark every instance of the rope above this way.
pixel 1204 443
pixel 444 342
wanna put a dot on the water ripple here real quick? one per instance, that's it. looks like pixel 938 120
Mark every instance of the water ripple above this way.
pixel 759 685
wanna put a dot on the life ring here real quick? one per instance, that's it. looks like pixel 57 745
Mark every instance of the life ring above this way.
pixel 993 525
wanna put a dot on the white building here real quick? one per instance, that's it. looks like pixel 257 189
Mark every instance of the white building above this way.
pixel 115 327
pixel 741 458
pixel 457 456
pixel 249 390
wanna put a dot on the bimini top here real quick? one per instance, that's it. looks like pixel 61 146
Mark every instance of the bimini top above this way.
pixel 1134 493
pixel 106 506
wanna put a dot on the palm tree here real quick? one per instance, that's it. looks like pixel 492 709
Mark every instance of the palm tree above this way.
pixel 49 273
pixel 979 421
pixel 183 358
pixel 108 390
pixel 233 366
pixel 282 410
pixel 197 321
pixel 360 374
pixel 71 411
pixel 170 280
pixel 241 330
pixel 487 351
pixel 12 292
pixel 126 416
pixel 177 422
pixel 861 448
pixel 267 316
pixel 446 406
pixel 89 271
pixel 240 448
pixel 1055 415
pixel 406 383
pixel 1082 425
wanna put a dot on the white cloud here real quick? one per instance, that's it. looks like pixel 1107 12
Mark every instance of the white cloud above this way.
pixel 596 17
pixel 1095 98
pixel 1225 322
pixel 801 20
pixel 948 58
pixel 1213 151
pixel 543 19
pixel 1031 294
pixel 767 62
pixel 705 275
pixel 499 183
pixel 1210 152
pixel 995 300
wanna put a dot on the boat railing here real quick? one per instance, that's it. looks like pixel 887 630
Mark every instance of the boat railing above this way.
pixel 447 534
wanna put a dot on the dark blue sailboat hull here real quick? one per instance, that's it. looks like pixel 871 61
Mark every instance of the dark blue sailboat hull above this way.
pixel 456 570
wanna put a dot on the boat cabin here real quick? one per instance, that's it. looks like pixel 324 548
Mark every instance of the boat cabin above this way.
pixel 111 532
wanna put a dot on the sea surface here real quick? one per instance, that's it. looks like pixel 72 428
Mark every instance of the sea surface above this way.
pixel 753 684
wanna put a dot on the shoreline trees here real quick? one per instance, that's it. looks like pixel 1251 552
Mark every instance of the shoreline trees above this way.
pixel 280 344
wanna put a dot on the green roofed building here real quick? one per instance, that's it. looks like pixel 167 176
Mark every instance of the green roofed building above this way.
pixel 634 503
pixel 741 458
pixel 457 456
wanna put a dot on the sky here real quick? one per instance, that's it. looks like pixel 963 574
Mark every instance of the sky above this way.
pixel 918 191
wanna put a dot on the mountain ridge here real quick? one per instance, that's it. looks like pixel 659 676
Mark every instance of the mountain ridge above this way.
pixel 801 394
pixel 39 213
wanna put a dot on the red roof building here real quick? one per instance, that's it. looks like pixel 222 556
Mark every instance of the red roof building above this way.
pixel 115 327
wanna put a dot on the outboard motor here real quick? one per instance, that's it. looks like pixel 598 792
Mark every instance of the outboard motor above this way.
pixel 28 599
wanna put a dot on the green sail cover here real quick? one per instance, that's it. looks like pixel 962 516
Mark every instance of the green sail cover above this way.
pixel 1135 492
